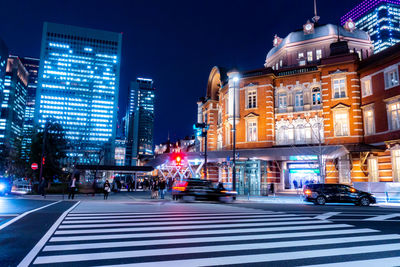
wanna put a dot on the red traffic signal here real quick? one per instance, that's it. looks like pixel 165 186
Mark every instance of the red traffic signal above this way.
pixel 43 160
pixel 177 157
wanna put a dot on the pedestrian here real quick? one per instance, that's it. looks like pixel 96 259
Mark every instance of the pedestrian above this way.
pixel 162 188
pixel 107 189
pixel 272 188
pixel 42 187
pixel 72 188
pixel 155 189
pixel 295 184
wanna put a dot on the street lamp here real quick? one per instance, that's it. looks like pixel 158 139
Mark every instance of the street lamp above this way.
pixel 235 82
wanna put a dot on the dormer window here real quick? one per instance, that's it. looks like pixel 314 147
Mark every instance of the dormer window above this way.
pixel 318 54
pixel 309 56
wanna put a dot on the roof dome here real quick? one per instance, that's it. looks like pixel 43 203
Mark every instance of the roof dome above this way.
pixel 319 31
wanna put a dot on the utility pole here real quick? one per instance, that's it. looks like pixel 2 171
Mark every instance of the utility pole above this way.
pixel 235 80
pixel 43 150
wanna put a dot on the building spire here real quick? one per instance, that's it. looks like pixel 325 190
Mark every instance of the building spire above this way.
pixel 316 17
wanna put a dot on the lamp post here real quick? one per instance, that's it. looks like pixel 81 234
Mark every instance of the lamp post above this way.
pixel 235 81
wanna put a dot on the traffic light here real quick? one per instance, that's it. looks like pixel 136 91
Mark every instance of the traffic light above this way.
pixel 43 160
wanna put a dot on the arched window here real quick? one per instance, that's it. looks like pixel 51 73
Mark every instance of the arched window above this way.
pixel 316 96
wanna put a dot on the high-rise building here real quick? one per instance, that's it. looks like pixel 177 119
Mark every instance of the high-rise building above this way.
pixel 380 18
pixel 13 104
pixel 32 66
pixel 78 87
pixel 3 61
pixel 140 125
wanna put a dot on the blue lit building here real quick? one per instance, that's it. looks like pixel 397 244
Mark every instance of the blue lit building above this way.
pixel 13 105
pixel 380 18
pixel 78 87
pixel 32 66
pixel 140 121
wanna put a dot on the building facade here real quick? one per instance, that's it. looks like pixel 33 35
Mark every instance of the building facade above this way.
pixel 32 66
pixel 323 109
pixel 380 18
pixel 13 105
pixel 78 87
pixel 140 121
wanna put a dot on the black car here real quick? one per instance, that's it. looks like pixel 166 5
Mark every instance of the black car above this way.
pixel 320 194
pixel 197 189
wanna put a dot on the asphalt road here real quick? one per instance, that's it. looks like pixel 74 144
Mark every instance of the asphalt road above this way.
pixel 161 233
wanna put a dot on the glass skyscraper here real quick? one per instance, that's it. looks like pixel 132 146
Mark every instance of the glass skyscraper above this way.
pixel 32 66
pixel 140 126
pixel 380 18
pixel 78 87
pixel 13 105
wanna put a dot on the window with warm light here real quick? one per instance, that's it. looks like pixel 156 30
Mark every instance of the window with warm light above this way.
pixel 318 54
pixel 251 131
pixel 339 88
pixel 341 120
pixel 373 169
pixel 394 116
pixel 366 88
pixel 369 121
pixel 309 56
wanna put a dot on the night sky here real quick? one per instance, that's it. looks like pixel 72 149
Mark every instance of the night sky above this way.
pixel 174 42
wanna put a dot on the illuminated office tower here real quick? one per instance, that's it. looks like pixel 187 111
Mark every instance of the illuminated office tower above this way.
pixel 380 18
pixel 78 87
pixel 140 121
pixel 12 105
pixel 32 66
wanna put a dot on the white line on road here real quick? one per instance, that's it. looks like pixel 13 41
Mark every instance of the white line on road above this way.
pixel 72 216
pixel 36 249
pixel 169 213
pixel 201 249
pixel 258 258
pixel 327 215
pixel 383 262
pixel 383 217
pixel 24 214
pixel 228 231
pixel 210 221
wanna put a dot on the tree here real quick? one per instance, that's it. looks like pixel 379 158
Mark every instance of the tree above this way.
pixel 55 145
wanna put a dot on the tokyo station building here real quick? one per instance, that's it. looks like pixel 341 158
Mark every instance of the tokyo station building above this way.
pixel 323 108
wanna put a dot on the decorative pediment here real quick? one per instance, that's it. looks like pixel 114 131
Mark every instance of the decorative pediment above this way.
pixel 340 106
pixel 251 115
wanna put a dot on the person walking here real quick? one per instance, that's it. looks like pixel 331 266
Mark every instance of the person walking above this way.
pixel 156 186
pixel 42 187
pixel 162 188
pixel 72 188
pixel 107 189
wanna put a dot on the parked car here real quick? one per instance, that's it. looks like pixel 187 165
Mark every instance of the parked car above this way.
pixel 197 189
pixel 320 194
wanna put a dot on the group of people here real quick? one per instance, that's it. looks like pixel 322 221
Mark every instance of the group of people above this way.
pixel 158 188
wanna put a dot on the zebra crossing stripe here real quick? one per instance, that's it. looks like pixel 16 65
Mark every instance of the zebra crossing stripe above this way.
pixel 181 227
pixel 129 215
pixel 383 262
pixel 210 221
pixel 133 218
pixel 220 248
pixel 230 238
pixel 168 213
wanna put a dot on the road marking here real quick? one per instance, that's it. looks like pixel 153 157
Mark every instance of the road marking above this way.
pixel 383 217
pixel 24 214
pixel 383 262
pixel 226 238
pixel 36 249
pixel 9 215
pixel 181 218
pixel 136 215
pixel 210 221
pixel 202 249
pixel 176 227
pixel 327 215
pixel 169 213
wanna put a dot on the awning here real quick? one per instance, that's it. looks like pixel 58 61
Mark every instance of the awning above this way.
pixel 272 153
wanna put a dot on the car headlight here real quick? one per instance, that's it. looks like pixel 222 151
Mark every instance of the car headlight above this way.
pixel 2 187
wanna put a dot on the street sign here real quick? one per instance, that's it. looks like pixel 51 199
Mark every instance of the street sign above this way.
pixel 34 166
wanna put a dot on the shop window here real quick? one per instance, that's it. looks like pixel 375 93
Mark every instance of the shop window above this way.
pixel 369 121
pixel 391 77
pixel 373 170
pixel 339 88
pixel 251 131
pixel 396 165
pixel 318 54
pixel 316 96
pixel 252 99
pixel 394 116
pixel 341 119
pixel 298 99
pixel 366 88
pixel 282 98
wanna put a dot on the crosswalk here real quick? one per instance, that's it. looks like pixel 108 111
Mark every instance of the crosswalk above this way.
pixel 352 215
pixel 220 238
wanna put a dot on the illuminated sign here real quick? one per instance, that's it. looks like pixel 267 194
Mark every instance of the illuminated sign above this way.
pixel 304 171
pixel 304 157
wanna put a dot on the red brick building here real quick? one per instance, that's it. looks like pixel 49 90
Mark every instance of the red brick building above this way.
pixel 323 108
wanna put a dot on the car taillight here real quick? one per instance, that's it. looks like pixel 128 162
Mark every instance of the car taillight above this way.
pixel 307 192
pixel 352 190
pixel 231 192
